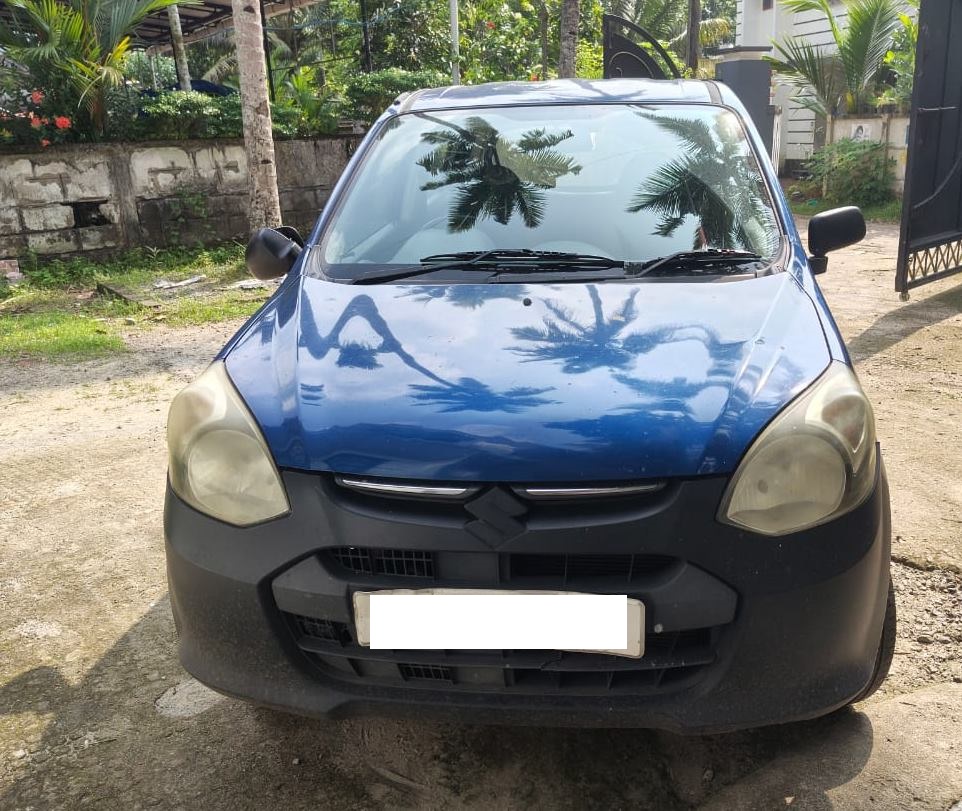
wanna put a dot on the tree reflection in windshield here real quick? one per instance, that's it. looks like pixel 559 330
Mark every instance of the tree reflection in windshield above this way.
pixel 715 181
pixel 495 176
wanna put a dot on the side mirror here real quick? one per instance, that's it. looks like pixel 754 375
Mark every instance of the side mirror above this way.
pixel 832 230
pixel 272 252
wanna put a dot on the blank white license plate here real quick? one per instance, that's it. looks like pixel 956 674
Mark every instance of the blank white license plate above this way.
pixel 481 619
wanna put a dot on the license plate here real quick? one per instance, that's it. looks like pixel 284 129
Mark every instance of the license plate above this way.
pixel 483 619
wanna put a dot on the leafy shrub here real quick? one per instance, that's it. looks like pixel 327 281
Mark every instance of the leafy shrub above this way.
pixel 180 115
pixel 854 172
pixel 369 94
pixel 190 114
pixel 37 118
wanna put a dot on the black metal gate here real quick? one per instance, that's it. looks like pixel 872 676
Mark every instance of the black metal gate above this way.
pixel 630 52
pixel 931 240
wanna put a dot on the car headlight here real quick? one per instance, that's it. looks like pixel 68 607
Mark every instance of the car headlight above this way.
pixel 219 462
pixel 814 462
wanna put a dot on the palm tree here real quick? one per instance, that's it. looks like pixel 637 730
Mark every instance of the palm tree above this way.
pixel 467 296
pixel 494 176
pixel 582 347
pixel 713 181
pixel 263 200
pixel 466 394
pixel 667 20
pixel 469 394
pixel 570 18
pixel 80 44
pixel 839 78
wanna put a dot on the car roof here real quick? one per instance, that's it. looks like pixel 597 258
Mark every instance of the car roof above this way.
pixel 558 91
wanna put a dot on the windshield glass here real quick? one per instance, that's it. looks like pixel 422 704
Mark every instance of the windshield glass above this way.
pixel 629 182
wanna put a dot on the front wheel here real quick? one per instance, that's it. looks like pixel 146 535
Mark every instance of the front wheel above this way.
pixel 886 650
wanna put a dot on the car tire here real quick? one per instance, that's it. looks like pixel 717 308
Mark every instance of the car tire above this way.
pixel 886 650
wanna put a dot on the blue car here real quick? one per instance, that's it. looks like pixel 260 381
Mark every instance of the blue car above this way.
pixel 548 422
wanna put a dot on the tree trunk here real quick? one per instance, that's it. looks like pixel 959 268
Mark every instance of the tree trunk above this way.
pixel 570 13
pixel 694 34
pixel 543 23
pixel 264 208
pixel 455 43
pixel 180 51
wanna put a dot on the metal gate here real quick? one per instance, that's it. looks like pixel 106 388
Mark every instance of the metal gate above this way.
pixel 930 246
pixel 630 52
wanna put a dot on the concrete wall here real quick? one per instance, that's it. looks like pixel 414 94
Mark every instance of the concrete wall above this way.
pixel 890 130
pixel 101 197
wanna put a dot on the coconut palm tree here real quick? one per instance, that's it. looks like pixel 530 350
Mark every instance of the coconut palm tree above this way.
pixel 80 44
pixel 838 78
pixel 667 20
pixel 581 347
pixel 495 177
pixel 711 181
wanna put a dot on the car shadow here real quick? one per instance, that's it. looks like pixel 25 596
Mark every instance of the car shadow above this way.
pixel 903 321
pixel 105 743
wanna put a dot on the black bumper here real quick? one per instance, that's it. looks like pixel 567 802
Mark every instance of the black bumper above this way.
pixel 742 630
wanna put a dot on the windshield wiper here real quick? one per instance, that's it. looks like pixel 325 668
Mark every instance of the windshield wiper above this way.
pixel 500 259
pixel 687 261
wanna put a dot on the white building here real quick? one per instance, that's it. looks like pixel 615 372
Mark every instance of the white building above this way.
pixel 758 22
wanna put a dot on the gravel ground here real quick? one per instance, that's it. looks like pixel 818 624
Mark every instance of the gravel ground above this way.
pixel 97 713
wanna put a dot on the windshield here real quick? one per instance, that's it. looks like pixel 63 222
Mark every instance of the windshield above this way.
pixel 629 182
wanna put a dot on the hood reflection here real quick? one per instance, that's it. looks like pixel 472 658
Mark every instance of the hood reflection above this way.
pixel 589 382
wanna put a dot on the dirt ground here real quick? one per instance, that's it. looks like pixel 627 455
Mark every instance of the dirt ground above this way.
pixel 96 712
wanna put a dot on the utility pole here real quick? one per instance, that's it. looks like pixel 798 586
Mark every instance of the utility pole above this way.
pixel 367 63
pixel 180 51
pixel 694 33
pixel 455 44
pixel 264 208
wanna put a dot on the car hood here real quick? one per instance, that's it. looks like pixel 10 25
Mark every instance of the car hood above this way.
pixel 542 382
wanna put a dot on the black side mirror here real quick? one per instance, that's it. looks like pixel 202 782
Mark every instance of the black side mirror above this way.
pixel 832 230
pixel 272 252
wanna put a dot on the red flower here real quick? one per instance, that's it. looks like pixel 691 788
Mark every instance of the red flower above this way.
pixel 44 142
pixel 489 25
pixel 61 122
pixel 36 97
pixel 34 121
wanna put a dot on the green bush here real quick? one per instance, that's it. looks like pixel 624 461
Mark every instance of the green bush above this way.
pixel 854 172
pixel 190 114
pixel 180 115
pixel 369 94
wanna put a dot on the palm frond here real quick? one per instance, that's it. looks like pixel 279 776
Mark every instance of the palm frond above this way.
pixel 813 70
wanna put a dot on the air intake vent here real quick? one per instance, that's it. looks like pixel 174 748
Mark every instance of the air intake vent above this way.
pixel 425 673
pixel 395 562
pixel 322 630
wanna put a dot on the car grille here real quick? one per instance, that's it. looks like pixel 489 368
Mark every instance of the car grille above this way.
pixel 391 562
pixel 671 660
pixel 562 570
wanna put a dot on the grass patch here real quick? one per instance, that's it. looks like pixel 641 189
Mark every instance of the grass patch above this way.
pixel 220 263
pixel 56 313
pixel 805 201
pixel 56 334
pixel 207 309
pixel 886 212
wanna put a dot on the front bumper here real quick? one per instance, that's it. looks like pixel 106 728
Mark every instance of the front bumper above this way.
pixel 743 630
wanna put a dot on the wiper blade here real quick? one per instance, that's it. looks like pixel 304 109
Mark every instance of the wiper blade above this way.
pixel 689 260
pixel 502 259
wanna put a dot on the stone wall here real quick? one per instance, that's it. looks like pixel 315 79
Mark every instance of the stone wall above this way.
pixel 101 197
